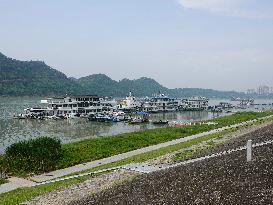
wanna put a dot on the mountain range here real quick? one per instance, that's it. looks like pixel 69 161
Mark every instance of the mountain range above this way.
pixel 28 78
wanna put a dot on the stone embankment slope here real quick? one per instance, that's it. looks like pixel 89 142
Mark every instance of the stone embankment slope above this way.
pixel 227 179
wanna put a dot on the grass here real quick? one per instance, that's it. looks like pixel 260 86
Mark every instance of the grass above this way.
pixel 157 153
pixel 20 195
pixel 94 149
pixel 3 181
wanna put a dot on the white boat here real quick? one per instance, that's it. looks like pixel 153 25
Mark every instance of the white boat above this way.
pixel 71 107
pixel 160 103
pixel 197 103
pixel 129 104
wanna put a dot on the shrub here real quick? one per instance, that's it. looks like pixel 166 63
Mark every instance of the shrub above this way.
pixel 3 169
pixel 35 155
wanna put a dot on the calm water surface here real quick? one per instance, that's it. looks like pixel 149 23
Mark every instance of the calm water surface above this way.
pixel 13 130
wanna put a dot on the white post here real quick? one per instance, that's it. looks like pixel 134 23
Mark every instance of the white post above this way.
pixel 249 151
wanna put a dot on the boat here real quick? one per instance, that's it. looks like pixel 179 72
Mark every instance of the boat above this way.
pixel 129 104
pixel 103 118
pixel 160 122
pixel 20 116
pixel 70 107
pixel 180 124
pixel 136 121
pixel 140 117
pixel 196 103
pixel 159 103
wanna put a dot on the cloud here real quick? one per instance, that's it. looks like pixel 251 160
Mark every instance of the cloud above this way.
pixel 224 8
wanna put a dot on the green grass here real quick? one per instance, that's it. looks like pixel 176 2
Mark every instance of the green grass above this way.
pixel 93 149
pixel 3 181
pixel 156 153
pixel 20 195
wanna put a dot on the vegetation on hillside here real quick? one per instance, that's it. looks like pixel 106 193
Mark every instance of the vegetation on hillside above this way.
pixel 27 78
pixel 19 78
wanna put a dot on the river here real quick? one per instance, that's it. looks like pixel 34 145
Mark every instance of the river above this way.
pixel 14 130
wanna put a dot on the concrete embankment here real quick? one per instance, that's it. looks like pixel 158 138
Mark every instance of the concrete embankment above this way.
pixel 227 179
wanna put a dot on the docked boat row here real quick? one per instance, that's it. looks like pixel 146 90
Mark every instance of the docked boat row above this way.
pixel 84 106
pixel 105 109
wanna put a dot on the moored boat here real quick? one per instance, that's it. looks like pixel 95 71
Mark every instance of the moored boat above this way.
pixel 160 122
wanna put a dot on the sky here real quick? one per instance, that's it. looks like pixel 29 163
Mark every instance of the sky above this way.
pixel 218 44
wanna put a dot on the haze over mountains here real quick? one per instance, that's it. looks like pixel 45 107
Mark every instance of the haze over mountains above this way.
pixel 26 78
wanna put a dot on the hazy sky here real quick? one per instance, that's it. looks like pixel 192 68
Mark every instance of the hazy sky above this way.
pixel 220 44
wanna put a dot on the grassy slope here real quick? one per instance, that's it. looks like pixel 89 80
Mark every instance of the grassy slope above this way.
pixel 93 149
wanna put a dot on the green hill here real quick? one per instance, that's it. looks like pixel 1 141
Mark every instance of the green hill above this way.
pixel 33 78
pixel 103 85
pixel 27 78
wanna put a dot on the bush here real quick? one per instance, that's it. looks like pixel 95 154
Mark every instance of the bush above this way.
pixel 36 155
pixel 3 169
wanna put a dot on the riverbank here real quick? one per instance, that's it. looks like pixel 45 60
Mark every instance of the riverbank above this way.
pixel 62 196
pixel 95 149
pixel 24 194
pixel 226 179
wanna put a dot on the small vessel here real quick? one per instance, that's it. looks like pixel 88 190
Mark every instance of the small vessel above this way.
pixel 136 121
pixel 140 117
pixel 180 124
pixel 20 116
pixel 102 118
pixel 160 122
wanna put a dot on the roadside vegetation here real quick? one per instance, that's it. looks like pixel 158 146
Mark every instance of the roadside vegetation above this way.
pixel 35 155
pixel 3 181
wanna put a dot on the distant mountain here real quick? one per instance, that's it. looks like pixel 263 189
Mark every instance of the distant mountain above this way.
pixel 19 78
pixel 99 84
pixel 209 93
pixel 33 78
pixel 103 85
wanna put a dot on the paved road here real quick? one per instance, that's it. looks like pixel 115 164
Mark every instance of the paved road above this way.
pixel 15 183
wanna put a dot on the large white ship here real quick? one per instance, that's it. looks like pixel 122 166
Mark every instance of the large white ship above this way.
pixel 193 103
pixel 160 103
pixel 72 106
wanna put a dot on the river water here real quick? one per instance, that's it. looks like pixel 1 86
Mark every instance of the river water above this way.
pixel 14 130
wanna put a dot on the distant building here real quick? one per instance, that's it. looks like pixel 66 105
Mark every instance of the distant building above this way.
pixel 263 90
pixel 250 91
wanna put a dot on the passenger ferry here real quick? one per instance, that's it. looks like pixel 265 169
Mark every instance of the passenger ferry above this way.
pixel 194 104
pixel 72 106
pixel 129 104
pixel 160 103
